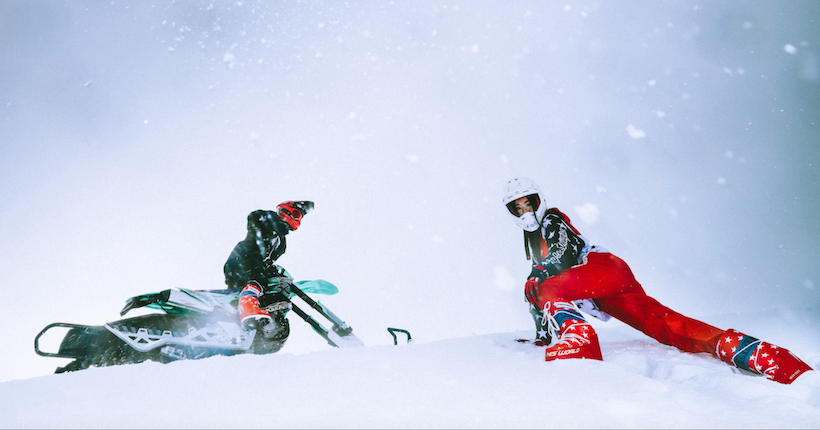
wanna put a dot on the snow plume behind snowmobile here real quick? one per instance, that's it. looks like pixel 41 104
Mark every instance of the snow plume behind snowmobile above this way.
pixel 194 324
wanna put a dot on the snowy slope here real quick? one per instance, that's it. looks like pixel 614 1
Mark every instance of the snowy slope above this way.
pixel 136 136
pixel 486 381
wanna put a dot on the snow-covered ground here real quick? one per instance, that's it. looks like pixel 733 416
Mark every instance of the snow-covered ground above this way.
pixel 484 381
pixel 136 136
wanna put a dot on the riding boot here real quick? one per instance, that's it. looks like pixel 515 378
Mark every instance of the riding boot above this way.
pixel 572 334
pixel 250 315
pixel 751 355
pixel 542 335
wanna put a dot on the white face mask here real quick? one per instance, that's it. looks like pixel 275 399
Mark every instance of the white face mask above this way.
pixel 527 221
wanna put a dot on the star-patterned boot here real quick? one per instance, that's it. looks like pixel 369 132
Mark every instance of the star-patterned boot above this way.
pixel 542 335
pixel 574 337
pixel 760 358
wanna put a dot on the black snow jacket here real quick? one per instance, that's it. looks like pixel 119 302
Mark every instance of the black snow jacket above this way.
pixel 254 259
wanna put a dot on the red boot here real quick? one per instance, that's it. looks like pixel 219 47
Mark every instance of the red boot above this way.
pixel 575 338
pixel 250 316
pixel 751 355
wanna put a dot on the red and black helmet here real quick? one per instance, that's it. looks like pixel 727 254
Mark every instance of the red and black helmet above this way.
pixel 292 212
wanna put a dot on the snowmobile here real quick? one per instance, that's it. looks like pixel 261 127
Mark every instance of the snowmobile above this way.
pixel 195 324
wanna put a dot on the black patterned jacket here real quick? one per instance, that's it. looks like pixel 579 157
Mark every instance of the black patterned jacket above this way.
pixel 556 245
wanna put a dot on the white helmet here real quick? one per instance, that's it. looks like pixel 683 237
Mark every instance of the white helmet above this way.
pixel 525 187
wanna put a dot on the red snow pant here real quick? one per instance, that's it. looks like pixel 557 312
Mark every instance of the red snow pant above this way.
pixel 607 279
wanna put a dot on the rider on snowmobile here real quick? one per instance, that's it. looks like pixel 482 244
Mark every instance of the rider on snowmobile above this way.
pixel 252 264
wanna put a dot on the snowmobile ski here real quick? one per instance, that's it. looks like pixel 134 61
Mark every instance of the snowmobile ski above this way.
pixel 340 335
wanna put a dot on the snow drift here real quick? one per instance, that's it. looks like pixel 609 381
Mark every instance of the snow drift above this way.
pixel 486 381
